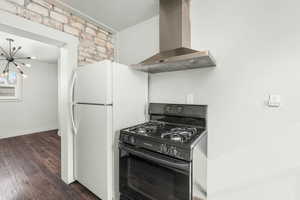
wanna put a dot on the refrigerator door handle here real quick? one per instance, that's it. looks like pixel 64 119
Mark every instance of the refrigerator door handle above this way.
pixel 72 104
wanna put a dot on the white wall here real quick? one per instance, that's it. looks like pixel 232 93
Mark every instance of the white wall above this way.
pixel 138 42
pixel 253 150
pixel 38 109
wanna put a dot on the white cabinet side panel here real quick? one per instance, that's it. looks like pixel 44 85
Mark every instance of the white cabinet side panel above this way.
pixel 130 93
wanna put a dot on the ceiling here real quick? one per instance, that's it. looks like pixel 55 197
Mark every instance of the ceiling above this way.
pixel 42 52
pixel 116 14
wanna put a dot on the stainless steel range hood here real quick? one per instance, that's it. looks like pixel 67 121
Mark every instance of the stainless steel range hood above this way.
pixel 175 42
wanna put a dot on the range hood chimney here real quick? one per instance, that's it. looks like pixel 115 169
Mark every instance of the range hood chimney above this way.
pixel 175 41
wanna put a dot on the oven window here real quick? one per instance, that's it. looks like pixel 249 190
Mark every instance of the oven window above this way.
pixel 145 180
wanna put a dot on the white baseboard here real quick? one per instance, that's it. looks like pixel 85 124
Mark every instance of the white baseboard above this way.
pixel 27 132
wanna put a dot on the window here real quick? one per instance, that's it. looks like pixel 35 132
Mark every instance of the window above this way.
pixel 10 87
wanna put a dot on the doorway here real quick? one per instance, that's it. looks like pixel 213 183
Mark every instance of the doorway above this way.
pixel 67 62
pixel 28 86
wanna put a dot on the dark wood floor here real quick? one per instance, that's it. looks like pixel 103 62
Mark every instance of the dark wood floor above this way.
pixel 30 170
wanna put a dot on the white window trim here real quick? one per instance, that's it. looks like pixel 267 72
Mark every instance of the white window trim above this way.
pixel 18 91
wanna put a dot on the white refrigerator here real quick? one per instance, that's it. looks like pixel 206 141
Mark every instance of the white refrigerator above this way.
pixel 106 98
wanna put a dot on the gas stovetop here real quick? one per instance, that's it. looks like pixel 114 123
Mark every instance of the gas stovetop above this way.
pixel 173 130
pixel 173 140
pixel 176 133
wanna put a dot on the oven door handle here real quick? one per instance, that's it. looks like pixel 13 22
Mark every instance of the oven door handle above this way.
pixel 172 163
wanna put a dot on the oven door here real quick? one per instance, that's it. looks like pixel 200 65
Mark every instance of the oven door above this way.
pixel 145 175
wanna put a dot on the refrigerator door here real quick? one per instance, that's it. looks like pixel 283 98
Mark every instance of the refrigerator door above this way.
pixel 93 148
pixel 94 83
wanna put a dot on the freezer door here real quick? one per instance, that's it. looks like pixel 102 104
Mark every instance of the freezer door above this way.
pixel 93 149
pixel 94 83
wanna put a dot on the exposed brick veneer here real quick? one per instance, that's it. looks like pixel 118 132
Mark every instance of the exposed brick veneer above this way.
pixel 95 43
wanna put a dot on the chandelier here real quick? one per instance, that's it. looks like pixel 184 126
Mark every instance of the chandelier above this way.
pixel 12 61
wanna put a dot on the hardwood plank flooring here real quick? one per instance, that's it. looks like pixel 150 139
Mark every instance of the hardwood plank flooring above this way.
pixel 30 170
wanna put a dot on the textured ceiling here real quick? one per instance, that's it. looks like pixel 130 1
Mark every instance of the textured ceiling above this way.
pixel 116 14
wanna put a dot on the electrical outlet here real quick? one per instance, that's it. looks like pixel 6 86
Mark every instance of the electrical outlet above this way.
pixel 190 99
pixel 274 100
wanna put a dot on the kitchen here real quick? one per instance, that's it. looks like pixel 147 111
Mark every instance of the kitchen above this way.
pixel 252 146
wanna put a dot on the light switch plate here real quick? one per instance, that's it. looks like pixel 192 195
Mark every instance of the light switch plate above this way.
pixel 274 100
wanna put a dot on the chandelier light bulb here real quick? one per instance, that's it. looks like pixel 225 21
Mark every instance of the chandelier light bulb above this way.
pixel 28 65
pixel 24 76
pixel 33 57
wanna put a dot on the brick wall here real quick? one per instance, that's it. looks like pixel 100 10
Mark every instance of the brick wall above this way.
pixel 95 43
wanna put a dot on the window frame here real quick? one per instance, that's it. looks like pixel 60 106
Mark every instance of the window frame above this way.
pixel 18 90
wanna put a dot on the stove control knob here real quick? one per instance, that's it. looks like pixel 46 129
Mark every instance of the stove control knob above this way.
pixel 132 140
pixel 175 152
pixel 166 149
pixel 163 148
pixel 125 137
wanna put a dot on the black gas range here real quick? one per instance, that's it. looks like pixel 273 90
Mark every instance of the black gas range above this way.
pixel 165 151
